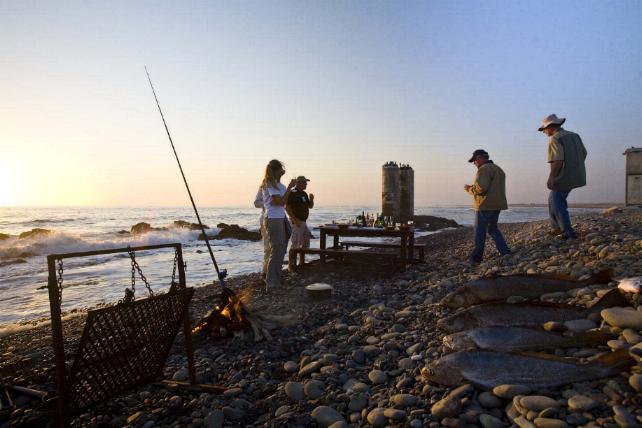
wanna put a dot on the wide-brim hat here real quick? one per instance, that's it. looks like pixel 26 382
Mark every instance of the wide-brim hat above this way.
pixel 551 119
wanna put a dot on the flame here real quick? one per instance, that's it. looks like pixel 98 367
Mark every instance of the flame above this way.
pixel 228 315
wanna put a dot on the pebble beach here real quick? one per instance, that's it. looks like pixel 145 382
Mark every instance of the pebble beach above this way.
pixel 357 359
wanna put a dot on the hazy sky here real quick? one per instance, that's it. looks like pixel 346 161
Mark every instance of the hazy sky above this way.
pixel 332 88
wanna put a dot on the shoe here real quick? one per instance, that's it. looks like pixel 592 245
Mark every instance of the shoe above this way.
pixel 555 232
pixel 565 237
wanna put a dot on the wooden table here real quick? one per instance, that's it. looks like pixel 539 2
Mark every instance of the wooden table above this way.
pixel 406 235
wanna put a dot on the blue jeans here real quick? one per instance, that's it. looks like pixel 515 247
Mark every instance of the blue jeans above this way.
pixel 486 222
pixel 558 212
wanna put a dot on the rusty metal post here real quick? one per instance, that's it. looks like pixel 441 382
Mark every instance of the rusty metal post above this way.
pixel 187 324
pixel 58 344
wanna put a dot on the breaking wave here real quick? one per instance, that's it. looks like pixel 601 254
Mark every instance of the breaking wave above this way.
pixel 64 242
pixel 13 328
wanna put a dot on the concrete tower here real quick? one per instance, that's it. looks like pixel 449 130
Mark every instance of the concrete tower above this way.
pixel 390 191
pixel 407 194
pixel 398 191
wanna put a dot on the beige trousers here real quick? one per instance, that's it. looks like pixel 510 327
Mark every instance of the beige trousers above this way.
pixel 300 236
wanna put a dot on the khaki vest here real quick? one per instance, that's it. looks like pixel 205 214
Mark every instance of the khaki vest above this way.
pixel 573 172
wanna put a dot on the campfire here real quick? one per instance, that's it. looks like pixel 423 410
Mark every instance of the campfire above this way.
pixel 232 318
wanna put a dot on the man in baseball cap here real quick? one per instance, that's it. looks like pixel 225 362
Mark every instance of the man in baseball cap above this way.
pixel 489 198
pixel 566 156
pixel 298 209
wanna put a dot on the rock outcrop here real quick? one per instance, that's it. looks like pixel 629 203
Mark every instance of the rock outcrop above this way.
pixel 429 222
pixel 34 233
pixel 233 231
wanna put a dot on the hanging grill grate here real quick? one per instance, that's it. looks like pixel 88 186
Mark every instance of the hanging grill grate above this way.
pixel 122 346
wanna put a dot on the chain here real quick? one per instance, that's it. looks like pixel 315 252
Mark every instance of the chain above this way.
pixel 59 280
pixel 174 269
pixel 133 290
pixel 136 267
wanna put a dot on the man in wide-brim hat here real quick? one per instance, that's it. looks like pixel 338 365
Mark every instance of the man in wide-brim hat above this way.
pixel 566 155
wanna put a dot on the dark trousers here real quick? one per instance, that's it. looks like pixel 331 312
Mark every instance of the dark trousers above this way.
pixel 486 222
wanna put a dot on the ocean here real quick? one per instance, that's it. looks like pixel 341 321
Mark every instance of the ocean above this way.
pixel 101 279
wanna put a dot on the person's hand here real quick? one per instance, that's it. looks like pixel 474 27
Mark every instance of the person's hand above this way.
pixel 467 187
pixel 549 183
pixel 311 197
pixel 292 184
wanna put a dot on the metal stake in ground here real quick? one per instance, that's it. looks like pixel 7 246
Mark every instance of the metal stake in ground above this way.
pixel 222 273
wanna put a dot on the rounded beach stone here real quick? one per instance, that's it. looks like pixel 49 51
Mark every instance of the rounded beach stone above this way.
pixel 181 375
pixel 553 326
pixel 232 392
pixel 214 419
pixel 617 344
pixel 489 421
pixel 359 356
pixel 394 414
pixel 377 377
pixel 376 417
pixel 294 391
pixel 537 402
pixel 549 423
pixel 416 423
pixel 406 364
pixel 282 410
pixel 309 368
pixel 636 382
pixel 579 326
pixel 449 406
pixel 582 403
pixel 623 318
pixel 403 400
pixel 314 389
pixel 175 401
pixel 326 416
pixel 631 336
pixel 522 422
pixel 509 391
pixel 358 403
pixel 623 417
pixel 290 366
pixel 488 400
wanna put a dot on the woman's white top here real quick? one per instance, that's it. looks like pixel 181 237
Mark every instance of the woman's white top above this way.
pixel 273 211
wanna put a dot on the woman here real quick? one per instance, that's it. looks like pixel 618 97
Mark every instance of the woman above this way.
pixel 275 196
pixel 258 203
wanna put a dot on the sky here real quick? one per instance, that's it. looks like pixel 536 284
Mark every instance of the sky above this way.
pixel 334 89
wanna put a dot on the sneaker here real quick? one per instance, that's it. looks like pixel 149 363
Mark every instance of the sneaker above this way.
pixel 565 237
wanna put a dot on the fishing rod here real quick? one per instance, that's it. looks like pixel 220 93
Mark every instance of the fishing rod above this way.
pixel 222 273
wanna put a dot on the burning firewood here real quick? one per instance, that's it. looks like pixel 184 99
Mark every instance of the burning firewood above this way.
pixel 232 317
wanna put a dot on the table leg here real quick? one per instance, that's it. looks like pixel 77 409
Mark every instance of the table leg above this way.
pixel 322 236
pixel 411 246
pixel 404 246
pixel 335 242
